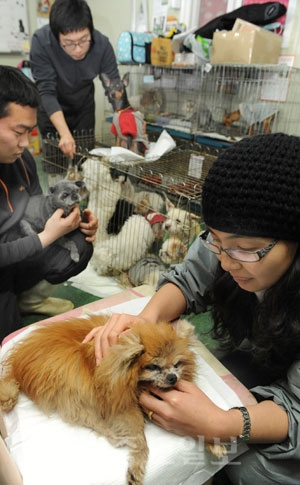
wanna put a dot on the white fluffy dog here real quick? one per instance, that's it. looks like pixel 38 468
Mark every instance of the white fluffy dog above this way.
pixel 181 223
pixel 104 192
pixel 113 253
pixel 121 251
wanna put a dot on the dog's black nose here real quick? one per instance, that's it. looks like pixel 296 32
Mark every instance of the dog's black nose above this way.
pixel 171 379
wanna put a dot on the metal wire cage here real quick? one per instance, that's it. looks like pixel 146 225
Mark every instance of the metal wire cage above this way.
pixel 221 101
pixel 149 213
pixel 138 235
pixel 54 161
pixel 245 100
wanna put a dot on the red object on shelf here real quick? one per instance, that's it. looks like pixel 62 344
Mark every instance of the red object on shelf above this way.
pixel 34 146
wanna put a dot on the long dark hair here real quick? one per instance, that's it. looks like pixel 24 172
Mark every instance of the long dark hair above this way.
pixel 17 88
pixel 272 326
pixel 70 16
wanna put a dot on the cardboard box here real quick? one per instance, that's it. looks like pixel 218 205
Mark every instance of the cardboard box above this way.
pixel 162 52
pixel 246 43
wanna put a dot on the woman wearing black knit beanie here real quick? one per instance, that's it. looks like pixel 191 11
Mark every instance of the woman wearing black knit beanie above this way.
pixel 246 268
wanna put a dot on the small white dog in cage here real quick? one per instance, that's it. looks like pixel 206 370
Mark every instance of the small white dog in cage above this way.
pixel 104 192
pixel 119 252
pixel 181 223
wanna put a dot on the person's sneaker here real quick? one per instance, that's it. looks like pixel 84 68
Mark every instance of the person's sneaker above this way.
pixel 49 306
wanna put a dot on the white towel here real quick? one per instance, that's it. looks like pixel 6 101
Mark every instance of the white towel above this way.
pixel 49 451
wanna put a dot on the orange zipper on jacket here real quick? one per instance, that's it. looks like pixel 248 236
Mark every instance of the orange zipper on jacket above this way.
pixel 7 195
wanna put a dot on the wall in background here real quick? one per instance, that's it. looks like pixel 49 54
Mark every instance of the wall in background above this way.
pixel 111 18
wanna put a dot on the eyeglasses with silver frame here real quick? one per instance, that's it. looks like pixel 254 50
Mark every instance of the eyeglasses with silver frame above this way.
pixel 237 254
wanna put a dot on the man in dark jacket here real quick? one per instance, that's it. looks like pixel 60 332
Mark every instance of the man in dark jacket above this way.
pixel 65 58
pixel 30 261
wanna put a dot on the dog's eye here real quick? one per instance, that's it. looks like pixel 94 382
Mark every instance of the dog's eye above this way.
pixel 152 367
pixel 178 364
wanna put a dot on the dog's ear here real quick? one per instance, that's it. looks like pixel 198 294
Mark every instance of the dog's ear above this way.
pixel 116 378
pixel 185 329
pixel 125 79
pixel 129 348
pixel 169 204
pixel 51 190
pixel 194 217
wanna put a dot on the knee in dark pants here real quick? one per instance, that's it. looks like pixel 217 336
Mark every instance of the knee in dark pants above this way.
pixel 64 268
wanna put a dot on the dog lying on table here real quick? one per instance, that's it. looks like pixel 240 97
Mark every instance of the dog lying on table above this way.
pixel 59 373
pixel 128 124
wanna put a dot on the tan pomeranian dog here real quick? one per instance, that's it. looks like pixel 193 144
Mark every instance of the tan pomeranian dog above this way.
pixel 59 373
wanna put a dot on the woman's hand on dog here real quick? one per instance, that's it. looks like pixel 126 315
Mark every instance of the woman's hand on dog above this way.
pixel 186 411
pixel 108 335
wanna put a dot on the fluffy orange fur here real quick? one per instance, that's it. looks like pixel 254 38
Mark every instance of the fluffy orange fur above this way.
pixel 59 373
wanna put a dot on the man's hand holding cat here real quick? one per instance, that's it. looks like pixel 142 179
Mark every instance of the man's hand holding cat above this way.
pixel 89 226
pixel 58 225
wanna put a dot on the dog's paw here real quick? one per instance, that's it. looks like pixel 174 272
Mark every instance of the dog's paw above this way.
pixel 9 391
pixel 217 450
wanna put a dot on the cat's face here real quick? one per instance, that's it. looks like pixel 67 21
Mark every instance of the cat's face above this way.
pixel 65 194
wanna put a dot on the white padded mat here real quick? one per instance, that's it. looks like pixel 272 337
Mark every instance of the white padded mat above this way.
pixel 49 451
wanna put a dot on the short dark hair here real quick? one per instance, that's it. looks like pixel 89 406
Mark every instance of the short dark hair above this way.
pixel 17 88
pixel 70 16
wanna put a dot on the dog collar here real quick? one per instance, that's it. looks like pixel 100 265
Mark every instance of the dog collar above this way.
pixel 154 217
pixel 125 109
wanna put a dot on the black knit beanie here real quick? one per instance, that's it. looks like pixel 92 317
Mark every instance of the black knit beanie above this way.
pixel 253 188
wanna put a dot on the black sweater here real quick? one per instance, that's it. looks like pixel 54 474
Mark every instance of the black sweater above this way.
pixel 65 84
pixel 18 181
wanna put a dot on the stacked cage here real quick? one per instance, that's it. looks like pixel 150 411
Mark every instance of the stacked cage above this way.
pixel 245 100
pixel 165 96
pixel 221 101
pixel 149 212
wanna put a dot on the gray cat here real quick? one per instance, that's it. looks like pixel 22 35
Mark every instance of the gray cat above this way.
pixel 65 194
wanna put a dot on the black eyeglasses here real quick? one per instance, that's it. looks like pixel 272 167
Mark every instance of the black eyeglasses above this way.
pixel 71 46
pixel 237 254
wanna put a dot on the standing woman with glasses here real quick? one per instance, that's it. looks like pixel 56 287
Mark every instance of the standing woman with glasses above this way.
pixel 246 269
pixel 65 57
